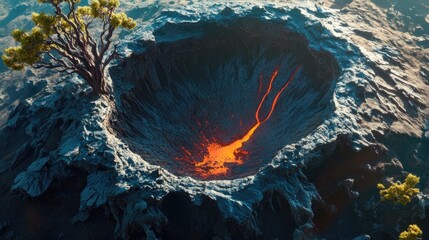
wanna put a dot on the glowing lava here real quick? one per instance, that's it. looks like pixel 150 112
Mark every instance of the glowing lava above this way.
pixel 218 157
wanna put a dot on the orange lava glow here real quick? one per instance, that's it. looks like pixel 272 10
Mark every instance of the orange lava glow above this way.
pixel 218 157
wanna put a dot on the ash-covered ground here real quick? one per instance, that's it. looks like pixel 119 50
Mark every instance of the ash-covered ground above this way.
pixel 76 167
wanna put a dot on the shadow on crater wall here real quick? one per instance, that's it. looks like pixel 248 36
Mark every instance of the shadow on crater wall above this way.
pixel 200 81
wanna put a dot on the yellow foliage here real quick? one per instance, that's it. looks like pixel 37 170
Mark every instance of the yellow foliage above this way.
pixel 103 8
pixel 122 20
pixel 36 42
pixel 29 52
pixel 84 11
pixel 412 233
pixel 44 22
pixel 400 193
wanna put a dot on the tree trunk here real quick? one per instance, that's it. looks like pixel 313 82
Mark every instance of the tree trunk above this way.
pixel 98 81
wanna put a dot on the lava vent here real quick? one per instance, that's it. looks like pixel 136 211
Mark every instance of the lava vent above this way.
pixel 217 100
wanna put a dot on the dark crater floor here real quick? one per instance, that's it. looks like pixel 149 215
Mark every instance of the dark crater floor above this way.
pixel 202 81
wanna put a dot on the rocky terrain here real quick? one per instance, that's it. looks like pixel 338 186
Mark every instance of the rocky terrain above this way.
pixel 77 167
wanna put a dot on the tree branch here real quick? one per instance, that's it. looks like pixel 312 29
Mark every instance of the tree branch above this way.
pixel 112 56
pixel 79 34
pixel 108 41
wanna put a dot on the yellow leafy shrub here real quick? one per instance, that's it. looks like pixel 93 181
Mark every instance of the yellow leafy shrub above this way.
pixel 400 192
pixel 412 233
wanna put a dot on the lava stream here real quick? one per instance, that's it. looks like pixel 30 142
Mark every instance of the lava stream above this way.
pixel 218 156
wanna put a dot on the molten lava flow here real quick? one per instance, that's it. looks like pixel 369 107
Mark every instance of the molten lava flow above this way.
pixel 218 156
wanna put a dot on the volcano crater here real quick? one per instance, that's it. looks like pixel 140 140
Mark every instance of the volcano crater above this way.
pixel 202 82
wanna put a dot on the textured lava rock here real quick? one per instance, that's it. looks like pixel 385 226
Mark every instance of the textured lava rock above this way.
pixel 368 91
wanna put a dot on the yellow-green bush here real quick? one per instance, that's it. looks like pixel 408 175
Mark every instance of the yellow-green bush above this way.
pixel 400 192
pixel 412 233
